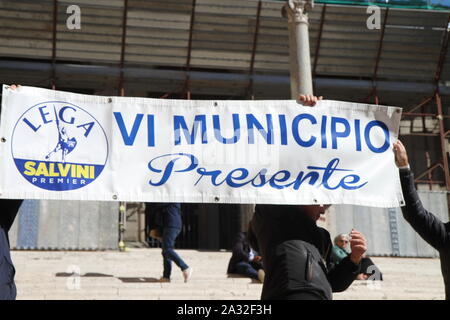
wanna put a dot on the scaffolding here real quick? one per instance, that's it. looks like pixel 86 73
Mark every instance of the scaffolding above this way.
pixel 433 103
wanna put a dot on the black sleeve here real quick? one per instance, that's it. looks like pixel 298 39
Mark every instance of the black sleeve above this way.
pixel 343 274
pixel 252 240
pixel 239 247
pixel 154 215
pixel 427 225
pixel 9 209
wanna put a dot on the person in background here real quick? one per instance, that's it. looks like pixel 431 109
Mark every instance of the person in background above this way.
pixel 426 224
pixel 169 215
pixel 244 260
pixel 368 269
pixel 339 250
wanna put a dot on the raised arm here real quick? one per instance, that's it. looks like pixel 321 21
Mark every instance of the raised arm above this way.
pixel 426 224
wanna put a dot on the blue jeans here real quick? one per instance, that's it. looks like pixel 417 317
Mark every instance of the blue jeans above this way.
pixel 168 252
pixel 245 268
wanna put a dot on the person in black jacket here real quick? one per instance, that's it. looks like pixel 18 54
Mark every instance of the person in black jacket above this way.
pixel 8 214
pixel 426 224
pixel 244 260
pixel 297 253
pixel 7 272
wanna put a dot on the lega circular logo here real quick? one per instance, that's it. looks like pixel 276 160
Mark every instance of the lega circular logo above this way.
pixel 59 146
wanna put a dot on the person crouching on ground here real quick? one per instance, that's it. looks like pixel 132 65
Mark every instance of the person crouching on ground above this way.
pixel 245 260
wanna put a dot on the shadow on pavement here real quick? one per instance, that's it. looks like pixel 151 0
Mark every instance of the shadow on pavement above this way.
pixel 89 274
pixel 138 280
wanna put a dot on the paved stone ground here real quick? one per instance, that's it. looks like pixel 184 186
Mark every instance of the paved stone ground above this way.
pixel 133 275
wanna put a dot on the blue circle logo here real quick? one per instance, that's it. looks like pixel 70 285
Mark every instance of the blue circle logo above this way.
pixel 59 146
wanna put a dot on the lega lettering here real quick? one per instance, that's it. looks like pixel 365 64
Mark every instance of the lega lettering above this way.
pixel 66 114
pixel 169 164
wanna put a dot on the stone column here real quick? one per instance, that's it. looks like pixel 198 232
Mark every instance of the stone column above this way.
pixel 299 52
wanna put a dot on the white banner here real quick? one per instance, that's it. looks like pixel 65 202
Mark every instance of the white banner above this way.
pixel 60 145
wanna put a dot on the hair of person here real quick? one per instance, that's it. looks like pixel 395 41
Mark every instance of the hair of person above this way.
pixel 339 236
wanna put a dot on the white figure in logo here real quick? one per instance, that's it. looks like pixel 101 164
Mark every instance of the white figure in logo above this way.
pixel 65 144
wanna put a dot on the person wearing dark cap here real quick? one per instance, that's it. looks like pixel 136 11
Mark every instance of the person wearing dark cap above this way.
pixel 297 252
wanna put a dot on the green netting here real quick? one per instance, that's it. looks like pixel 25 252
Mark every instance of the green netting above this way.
pixel 406 4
